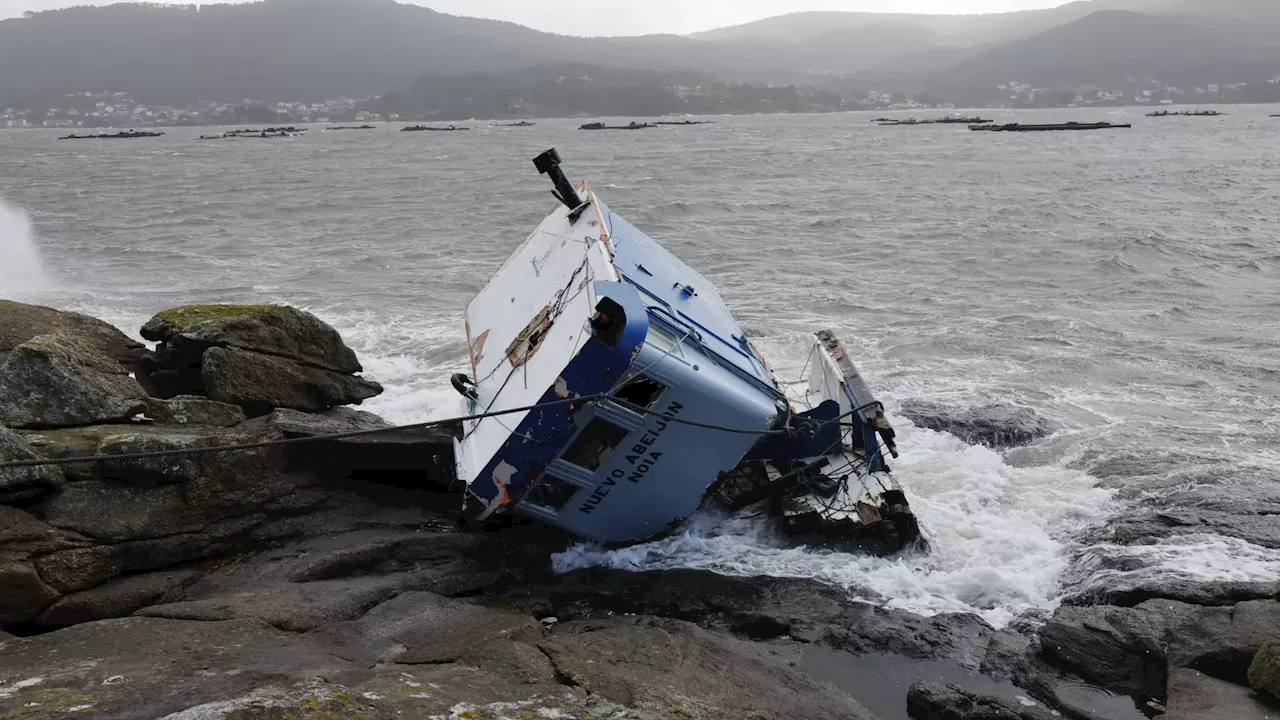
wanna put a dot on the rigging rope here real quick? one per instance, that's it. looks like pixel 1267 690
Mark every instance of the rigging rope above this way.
pixel 238 447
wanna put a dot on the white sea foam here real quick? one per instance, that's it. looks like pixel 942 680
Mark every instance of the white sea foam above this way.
pixel 20 267
pixel 999 536
pixel 1199 557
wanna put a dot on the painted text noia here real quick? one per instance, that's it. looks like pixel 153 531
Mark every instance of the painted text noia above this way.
pixel 641 459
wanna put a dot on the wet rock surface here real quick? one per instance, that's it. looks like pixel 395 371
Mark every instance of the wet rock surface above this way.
pixel 426 453
pixel 277 330
pixel 993 425
pixel 1219 594
pixel 194 410
pixel 938 701
pixel 1255 524
pixel 1196 696
pixel 258 357
pixel 24 483
pixel 20 322
pixel 1264 669
pixel 260 383
pixel 59 380
pixel 1118 649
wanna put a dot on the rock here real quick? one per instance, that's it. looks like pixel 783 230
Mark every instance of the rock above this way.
pixel 267 329
pixel 20 322
pixel 259 383
pixel 1118 649
pixel 445 563
pixel 156 498
pixel 994 425
pixel 114 512
pixel 95 440
pixel 1187 591
pixel 426 452
pixel 761 607
pixel 25 596
pixel 1128 650
pixel 1195 696
pixel 24 483
pixel 193 410
pixel 77 442
pixel 939 701
pixel 80 569
pixel 61 381
pixel 1256 525
pixel 115 599
pixel 295 607
pixel 959 637
pixel 166 372
pixel 1008 656
pixel 1218 641
pixel 211 471
pixel 141 667
pixel 686 671
pixel 22 534
pixel 147 667
pixel 417 628
pixel 1264 671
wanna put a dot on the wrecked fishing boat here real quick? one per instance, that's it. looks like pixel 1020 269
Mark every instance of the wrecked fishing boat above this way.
pixel 639 399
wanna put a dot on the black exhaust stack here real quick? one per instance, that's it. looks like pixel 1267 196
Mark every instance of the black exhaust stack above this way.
pixel 548 163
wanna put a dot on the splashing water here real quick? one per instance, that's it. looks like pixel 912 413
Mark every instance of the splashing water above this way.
pixel 999 537
pixel 20 266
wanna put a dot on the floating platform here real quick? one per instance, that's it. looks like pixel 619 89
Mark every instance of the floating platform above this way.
pixel 124 135
pixel 936 121
pixel 1185 113
pixel 633 126
pixel 245 135
pixel 291 130
pixel 522 123
pixel 352 127
pixel 426 128
pixel 685 122
pixel 1017 127
pixel 630 397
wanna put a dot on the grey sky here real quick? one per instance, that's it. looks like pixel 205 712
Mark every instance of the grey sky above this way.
pixel 638 17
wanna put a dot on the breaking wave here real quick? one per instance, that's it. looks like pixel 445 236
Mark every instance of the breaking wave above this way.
pixel 999 536
pixel 21 269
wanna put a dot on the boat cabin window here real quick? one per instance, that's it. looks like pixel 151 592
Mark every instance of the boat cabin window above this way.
pixel 640 391
pixel 551 493
pixel 594 444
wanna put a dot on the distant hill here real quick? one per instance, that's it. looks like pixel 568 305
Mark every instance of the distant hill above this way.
pixel 300 49
pixel 579 89
pixel 1256 21
pixel 1106 47
pixel 956 30
pixel 865 47
pixel 274 49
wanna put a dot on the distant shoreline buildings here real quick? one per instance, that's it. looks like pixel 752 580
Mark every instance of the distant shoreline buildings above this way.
pixel 118 109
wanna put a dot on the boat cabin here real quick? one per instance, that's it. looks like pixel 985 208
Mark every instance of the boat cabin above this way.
pixel 590 307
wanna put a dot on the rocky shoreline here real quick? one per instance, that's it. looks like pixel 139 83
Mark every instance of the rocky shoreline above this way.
pixel 332 580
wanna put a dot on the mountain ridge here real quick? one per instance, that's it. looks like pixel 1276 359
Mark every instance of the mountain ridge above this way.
pixel 274 50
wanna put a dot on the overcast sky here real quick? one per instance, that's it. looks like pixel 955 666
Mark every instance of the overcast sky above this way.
pixel 638 17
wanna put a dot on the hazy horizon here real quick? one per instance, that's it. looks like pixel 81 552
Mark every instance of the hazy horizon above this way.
pixel 628 17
